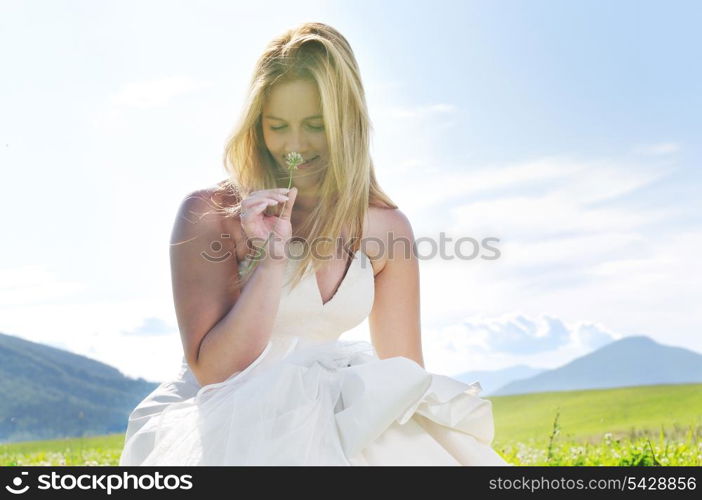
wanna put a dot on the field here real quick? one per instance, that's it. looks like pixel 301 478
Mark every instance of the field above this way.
pixel 651 425
pixel 654 425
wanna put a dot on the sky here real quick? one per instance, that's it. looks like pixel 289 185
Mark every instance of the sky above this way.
pixel 569 131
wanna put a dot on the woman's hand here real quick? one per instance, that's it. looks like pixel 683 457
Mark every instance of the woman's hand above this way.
pixel 259 228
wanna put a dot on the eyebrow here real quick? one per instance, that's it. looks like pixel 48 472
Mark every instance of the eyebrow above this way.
pixel 276 118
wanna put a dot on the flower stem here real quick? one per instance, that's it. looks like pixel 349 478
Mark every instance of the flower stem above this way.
pixel 293 159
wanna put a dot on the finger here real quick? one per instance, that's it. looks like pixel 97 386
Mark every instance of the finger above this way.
pixel 268 194
pixel 257 208
pixel 287 211
pixel 269 191
pixel 280 196
pixel 275 197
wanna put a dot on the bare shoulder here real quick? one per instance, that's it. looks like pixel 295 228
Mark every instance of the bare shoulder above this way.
pixel 202 214
pixel 384 220
pixel 388 228
pixel 201 208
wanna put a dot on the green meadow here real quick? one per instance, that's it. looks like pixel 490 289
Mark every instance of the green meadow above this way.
pixel 649 425
pixel 642 426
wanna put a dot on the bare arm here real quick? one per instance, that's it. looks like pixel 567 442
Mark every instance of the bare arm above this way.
pixel 394 320
pixel 222 332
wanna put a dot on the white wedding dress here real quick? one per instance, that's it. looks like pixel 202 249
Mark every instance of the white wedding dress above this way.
pixel 311 398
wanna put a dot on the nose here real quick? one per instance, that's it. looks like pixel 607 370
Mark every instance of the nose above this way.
pixel 296 142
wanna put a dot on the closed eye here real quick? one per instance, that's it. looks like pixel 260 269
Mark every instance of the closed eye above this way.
pixel 310 126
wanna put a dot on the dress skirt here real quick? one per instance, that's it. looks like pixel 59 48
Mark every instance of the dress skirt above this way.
pixel 316 403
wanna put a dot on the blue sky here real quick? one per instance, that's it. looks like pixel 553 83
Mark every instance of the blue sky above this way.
pixel 569 130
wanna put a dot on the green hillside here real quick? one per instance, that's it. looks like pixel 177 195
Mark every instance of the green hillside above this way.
pixel 587 415
pixel 47 393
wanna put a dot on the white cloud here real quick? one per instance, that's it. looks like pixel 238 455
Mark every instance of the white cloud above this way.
pixel 538 217
pixel 151 327
pixel 156 93
pixel 520 334
pixel 418 112
pixel 143 95
pixel 662 148
pixel 519 195
pixel 566 250
pixel 455 183
pixel 481 342
pixel 34 284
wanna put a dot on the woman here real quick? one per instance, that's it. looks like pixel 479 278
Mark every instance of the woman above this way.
pixel 265 379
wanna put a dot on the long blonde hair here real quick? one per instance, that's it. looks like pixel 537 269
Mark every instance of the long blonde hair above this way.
pixel 317 52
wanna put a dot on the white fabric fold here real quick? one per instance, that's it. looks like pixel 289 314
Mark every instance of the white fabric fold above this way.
pixel 317 403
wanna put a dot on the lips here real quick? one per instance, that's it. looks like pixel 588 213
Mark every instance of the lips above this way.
pixel 308 161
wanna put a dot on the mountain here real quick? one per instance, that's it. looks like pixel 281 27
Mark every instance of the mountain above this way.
pixel 631 361
pixel 49 393
pixel 492 380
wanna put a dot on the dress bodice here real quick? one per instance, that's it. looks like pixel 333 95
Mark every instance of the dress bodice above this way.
pixel 301 311
pixel 302 315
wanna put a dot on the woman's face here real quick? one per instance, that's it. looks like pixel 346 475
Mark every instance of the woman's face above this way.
pixel 292 121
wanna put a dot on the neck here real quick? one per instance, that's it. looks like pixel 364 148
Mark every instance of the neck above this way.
pixel 306 199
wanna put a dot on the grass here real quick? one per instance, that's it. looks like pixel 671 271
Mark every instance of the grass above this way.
pixel 652 425
pixel 649 425
pixel 99 450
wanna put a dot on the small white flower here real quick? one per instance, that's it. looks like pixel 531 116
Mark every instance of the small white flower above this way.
pixel 294 159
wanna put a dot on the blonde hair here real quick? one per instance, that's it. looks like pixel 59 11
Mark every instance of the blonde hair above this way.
pixel 348 185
